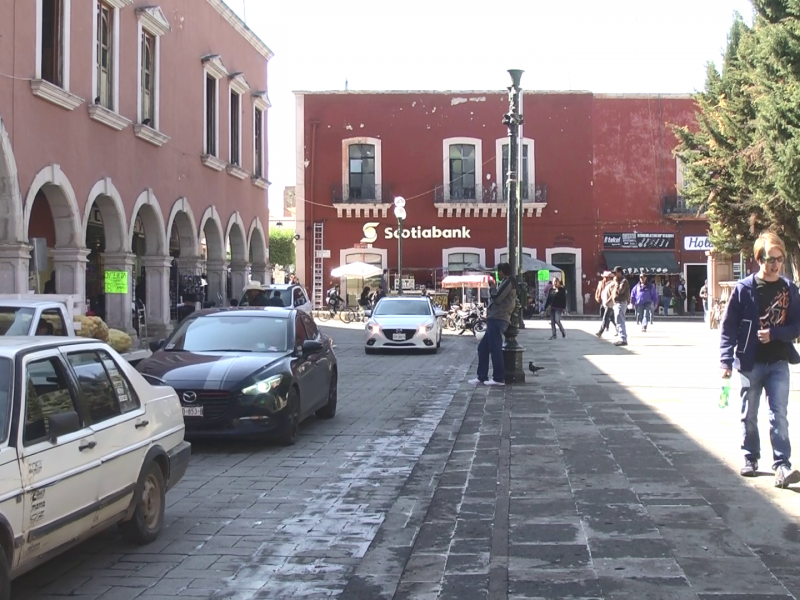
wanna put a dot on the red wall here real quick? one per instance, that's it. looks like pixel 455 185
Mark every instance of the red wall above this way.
pixel 606 161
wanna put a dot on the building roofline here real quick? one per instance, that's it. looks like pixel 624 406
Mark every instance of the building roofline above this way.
pixel 632 95
pixel 240 26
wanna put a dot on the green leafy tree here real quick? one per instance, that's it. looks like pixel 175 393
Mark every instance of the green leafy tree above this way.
pixel 281 248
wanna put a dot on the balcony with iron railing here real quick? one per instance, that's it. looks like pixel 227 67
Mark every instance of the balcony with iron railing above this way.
pixel 676 207
pixel 365 194
pixel 536 194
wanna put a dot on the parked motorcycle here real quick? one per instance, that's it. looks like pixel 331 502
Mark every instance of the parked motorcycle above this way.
pixel 472 319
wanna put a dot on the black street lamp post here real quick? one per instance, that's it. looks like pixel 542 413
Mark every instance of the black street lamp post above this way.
pixel 400 213
pixel 512 351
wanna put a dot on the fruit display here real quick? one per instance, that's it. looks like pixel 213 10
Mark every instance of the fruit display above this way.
pixel 119 340
pixel 91 327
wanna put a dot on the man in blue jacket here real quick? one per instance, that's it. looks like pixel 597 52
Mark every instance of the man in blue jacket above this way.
pixel 761 322
pixel 644 296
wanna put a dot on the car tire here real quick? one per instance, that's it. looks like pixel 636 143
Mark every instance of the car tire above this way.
pixel 329 410
pixel 288 436
pixel 148 515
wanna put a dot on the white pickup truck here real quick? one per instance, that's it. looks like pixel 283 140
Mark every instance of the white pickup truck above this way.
pixel 23 316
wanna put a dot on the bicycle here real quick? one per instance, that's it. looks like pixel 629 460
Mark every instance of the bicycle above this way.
pixel 346 314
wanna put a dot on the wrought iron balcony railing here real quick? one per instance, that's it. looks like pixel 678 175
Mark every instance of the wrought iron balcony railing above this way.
pixel 365 194
pixel 488 195
pixel 677 205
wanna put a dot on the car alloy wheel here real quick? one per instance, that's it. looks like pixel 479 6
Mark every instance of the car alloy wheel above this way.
pixel 292 426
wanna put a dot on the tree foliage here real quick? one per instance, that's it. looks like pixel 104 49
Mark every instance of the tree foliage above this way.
pixel 742 161
pixel 281 247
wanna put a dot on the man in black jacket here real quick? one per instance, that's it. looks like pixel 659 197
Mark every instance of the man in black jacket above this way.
pixel 503 299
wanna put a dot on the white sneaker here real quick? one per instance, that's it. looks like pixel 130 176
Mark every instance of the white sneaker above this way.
pixel 475 381
pixel 493 382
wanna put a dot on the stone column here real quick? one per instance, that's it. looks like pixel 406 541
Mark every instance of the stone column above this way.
pixel 239 277
pixel 261 272
pixel 217 272
pixel 119 306
pixel 14 261
pixel 70 267
pixel 157 271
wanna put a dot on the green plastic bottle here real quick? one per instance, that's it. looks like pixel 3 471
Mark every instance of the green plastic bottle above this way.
pixel 725 393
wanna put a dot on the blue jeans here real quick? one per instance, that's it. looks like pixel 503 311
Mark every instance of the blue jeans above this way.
pixel 665 302
pixel 555 319
pixel 619 315
pixel 492 345
pixel 774 379
pixel 644 313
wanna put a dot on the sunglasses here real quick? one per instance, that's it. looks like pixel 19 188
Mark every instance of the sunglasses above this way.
pixel 771 260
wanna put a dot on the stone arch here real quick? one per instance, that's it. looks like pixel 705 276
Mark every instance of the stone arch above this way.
pixel 211 228
pixel 108 200
pixel 182 217
pixel 60 195
pixel 235 238
pixel 153 221
pixel 11 209
pixel 257 243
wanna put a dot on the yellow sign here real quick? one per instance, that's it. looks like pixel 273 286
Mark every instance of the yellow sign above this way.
pixel 116 282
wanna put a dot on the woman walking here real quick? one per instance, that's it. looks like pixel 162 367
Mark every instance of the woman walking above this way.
pixel 556 303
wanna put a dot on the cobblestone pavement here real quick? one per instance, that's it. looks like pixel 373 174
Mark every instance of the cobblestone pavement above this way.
pixel 261 521
pixel 610 475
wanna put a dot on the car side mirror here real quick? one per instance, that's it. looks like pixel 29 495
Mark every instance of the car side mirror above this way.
pixel 440 313
pixel 311 346
pixel 157 345
pixel 368 313
pixel 63 423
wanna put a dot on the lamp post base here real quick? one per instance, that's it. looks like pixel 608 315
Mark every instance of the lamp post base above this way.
pixel 512 356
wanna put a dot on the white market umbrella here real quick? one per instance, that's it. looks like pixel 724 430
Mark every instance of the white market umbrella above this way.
pixel 356 269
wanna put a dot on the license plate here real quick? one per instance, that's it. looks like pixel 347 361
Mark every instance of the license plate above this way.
pixel 192 411
pixel 399 337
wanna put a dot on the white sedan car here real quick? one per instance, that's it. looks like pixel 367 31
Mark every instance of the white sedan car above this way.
pixel 404 323
pixel 85 442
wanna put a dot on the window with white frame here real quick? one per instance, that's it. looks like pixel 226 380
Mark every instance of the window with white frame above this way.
pixel 147 81
pixel 504 256
pixel 235 136
pixel 361 169
pixel 105 48
pixel 458 261
pixel 212 94
pixel 53 46
pixel 258 142
pixel 152 26
pixel 680 170
pixel 462 169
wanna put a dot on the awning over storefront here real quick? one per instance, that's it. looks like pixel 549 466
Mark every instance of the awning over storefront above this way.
pixel 636 262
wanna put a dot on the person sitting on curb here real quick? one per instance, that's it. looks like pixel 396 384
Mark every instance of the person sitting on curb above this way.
pixel 761 322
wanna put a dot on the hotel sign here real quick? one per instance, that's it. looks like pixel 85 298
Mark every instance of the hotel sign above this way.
pixel 697 242
pixel 415 233
pixel 639 241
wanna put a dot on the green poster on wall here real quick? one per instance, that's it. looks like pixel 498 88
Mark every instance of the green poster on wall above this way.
pixel 116 282
pixel 543 275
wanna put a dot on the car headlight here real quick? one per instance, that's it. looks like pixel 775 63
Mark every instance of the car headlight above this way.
pixel 263 386
pixel 373 327
pixel 425 328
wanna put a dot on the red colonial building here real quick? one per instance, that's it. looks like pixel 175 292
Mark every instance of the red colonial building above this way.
pixel 600 185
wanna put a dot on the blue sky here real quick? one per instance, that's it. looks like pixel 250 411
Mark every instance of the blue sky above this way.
pixel 610 46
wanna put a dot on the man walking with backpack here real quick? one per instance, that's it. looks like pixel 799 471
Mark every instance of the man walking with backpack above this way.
pixel 761 322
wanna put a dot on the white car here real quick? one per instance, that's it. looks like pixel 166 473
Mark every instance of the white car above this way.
pixel 404 323
pixel 292 295
pixel 85 442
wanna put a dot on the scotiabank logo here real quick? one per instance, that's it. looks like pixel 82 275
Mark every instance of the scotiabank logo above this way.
pixel 370 233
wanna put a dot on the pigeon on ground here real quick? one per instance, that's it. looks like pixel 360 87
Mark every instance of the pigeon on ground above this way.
pixel 534 369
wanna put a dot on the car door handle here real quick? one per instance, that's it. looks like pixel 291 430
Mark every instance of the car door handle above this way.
pixel 87 446
pixel 140 424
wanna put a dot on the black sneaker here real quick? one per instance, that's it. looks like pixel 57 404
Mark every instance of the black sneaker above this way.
pixel 621 343
pixel 750 468
pixel 786 476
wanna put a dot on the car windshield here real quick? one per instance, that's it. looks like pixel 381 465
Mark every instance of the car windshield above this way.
pixel 15 320
pixel 5 395
pixel 286 297
pixel 230 333
pixel 403 308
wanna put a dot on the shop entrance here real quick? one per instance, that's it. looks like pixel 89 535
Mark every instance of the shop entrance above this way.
pixel 695 276
pixel 566 262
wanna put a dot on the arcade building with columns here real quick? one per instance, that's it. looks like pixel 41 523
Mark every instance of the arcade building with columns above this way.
pixel 133 141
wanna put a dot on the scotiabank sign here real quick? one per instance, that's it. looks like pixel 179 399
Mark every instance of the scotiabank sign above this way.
pixel 414 233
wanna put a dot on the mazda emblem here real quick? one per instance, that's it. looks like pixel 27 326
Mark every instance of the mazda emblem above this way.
pixel 189 397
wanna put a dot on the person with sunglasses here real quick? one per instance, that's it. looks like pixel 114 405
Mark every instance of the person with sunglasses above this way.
pixel 761 322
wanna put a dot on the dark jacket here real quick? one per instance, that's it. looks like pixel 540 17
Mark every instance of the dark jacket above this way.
pixel 503 299
pixel 740 325
pixel 557 298
pixel 621 292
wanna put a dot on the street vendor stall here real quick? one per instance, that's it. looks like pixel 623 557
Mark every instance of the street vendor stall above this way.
pixel 464 282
